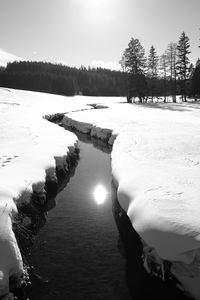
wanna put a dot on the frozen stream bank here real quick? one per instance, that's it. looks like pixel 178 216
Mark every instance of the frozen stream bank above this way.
pixel 78 246
pixel 31 151
pixel 81 252
pixel 155 165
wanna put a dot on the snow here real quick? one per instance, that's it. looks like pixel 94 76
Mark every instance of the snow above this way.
pixel 31 148
pixel 155 166
pixel 156 169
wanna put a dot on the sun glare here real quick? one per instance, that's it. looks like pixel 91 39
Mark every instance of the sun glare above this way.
pixel 96 14
pixel 100 194
pixel 98 2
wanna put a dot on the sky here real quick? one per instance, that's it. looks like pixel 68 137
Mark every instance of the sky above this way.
pixel 93 32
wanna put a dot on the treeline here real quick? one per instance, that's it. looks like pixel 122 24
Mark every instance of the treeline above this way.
pixel 143 77
pixel 170 74
pixel 63 80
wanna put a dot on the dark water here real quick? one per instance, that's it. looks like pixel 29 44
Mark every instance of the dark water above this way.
pixel 77 249
pixel 88 249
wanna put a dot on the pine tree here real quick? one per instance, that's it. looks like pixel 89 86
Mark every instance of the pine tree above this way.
pixel 152 63
pixel 152 70
pixel 133 62
pixel 163 69
pixel 171 53
pixel 134 57
pixel 182 64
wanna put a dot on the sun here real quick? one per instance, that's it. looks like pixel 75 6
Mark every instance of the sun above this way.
pixel 95 4
pixel 96 14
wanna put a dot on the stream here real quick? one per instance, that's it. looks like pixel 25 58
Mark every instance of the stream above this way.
pixel 78 249
pixel 88 248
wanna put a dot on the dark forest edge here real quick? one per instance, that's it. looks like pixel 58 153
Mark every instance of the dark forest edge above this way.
pixel 63 80
pixel 144 78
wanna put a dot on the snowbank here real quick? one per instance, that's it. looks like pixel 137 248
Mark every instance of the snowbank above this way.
pixel 156 168
pixel 155 165
pixel 31 150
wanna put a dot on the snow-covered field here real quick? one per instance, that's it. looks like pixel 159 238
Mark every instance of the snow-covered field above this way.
pixel 156 169
pixel 155 165
pixel 29 146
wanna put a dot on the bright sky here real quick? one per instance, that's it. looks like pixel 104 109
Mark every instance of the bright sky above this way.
pixel 87 32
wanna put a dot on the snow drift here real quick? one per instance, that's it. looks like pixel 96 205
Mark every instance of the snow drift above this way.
pixel 31 151
pixel 156 169
pixel 155 166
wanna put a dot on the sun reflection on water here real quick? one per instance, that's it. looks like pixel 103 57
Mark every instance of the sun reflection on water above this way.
pixel 100 194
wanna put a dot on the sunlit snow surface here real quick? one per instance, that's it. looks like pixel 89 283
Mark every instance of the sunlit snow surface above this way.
pixel 28 145
pixel 156 167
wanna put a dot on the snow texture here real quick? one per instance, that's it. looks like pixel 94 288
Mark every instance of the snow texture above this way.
pixel 156 169
pixel 31 148
pixel 155 166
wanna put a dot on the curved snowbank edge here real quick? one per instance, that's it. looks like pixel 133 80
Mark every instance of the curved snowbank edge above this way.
pixel 190 285
pixel 11 260
pixel 104 134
